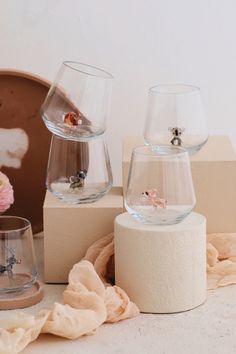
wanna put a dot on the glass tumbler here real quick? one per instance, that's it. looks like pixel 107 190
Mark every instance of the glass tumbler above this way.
pixel 79 172
pixel 78 102
pixel 18 270
pixel 160 188
pixel 176 117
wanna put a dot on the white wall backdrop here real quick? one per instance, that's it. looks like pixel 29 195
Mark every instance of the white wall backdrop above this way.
pixel 141 42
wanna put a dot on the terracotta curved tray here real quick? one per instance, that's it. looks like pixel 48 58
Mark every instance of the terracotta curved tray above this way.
pixel 21 96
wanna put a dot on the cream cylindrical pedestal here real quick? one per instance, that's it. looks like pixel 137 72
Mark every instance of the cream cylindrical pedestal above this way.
pixel 162 268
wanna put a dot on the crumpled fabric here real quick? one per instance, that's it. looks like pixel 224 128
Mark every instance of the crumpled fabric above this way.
pixel 17 333
pixel 118 304
pixel 221 259
pixel 89 301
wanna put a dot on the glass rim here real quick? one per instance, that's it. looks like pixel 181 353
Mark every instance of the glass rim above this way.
pixel 87 69
pixel 160 151
pixel 16 229
pixel 173 89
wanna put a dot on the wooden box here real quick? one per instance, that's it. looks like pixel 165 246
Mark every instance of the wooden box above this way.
pixel 70 229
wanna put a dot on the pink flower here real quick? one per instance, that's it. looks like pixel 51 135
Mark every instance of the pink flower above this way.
pixel 6 193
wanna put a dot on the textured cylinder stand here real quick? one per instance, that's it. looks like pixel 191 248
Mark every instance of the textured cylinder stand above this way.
pixel 162 268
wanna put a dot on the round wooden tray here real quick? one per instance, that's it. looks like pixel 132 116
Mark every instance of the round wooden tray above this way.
pixel 27 298
pixel 21 96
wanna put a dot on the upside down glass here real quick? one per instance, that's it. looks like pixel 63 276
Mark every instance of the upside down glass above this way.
pixel 79 172
pixel 78 102
pixel 160 188
pixel 176 117
pixel 18 270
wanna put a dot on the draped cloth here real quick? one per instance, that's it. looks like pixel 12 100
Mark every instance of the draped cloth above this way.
pixel 91 298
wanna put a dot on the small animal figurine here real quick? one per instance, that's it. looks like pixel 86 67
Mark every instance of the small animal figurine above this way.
pixel 78 180
pixel 154 200
pixel 73 119
pixel 176 132
pixel 10 262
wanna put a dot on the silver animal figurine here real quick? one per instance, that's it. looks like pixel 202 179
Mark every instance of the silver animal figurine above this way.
pixel 10 261
pixel 176 132
pixel 78 180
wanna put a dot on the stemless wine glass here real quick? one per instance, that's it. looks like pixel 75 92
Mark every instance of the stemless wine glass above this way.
pixel 78 101
pixel 176 117
pixel 160 189
pixel 18 270
pixel 79 172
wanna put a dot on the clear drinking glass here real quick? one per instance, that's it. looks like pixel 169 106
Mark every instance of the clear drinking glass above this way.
pixel 18 270
pixel 79 172
pixel 78 101
pixel 160 189
pixel 176 117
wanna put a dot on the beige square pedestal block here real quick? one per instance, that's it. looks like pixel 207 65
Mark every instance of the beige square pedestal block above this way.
pixel 70 229
pixel 214 178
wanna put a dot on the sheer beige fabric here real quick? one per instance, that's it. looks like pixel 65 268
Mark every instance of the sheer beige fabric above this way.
pixel 221 259
pixel 90 299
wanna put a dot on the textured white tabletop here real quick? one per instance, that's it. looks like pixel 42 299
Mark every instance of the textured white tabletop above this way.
pixel 208 329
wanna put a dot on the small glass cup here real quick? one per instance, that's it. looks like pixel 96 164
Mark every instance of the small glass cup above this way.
pixel 160 188
pixel 18 270
pixel 79 172
pixel 176 117
pixel 78 102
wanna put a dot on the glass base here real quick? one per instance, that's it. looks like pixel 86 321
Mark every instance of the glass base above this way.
pixel 160 217
pixel 15 284
pixel 192 150
pixel 77 133
pixel 88 195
